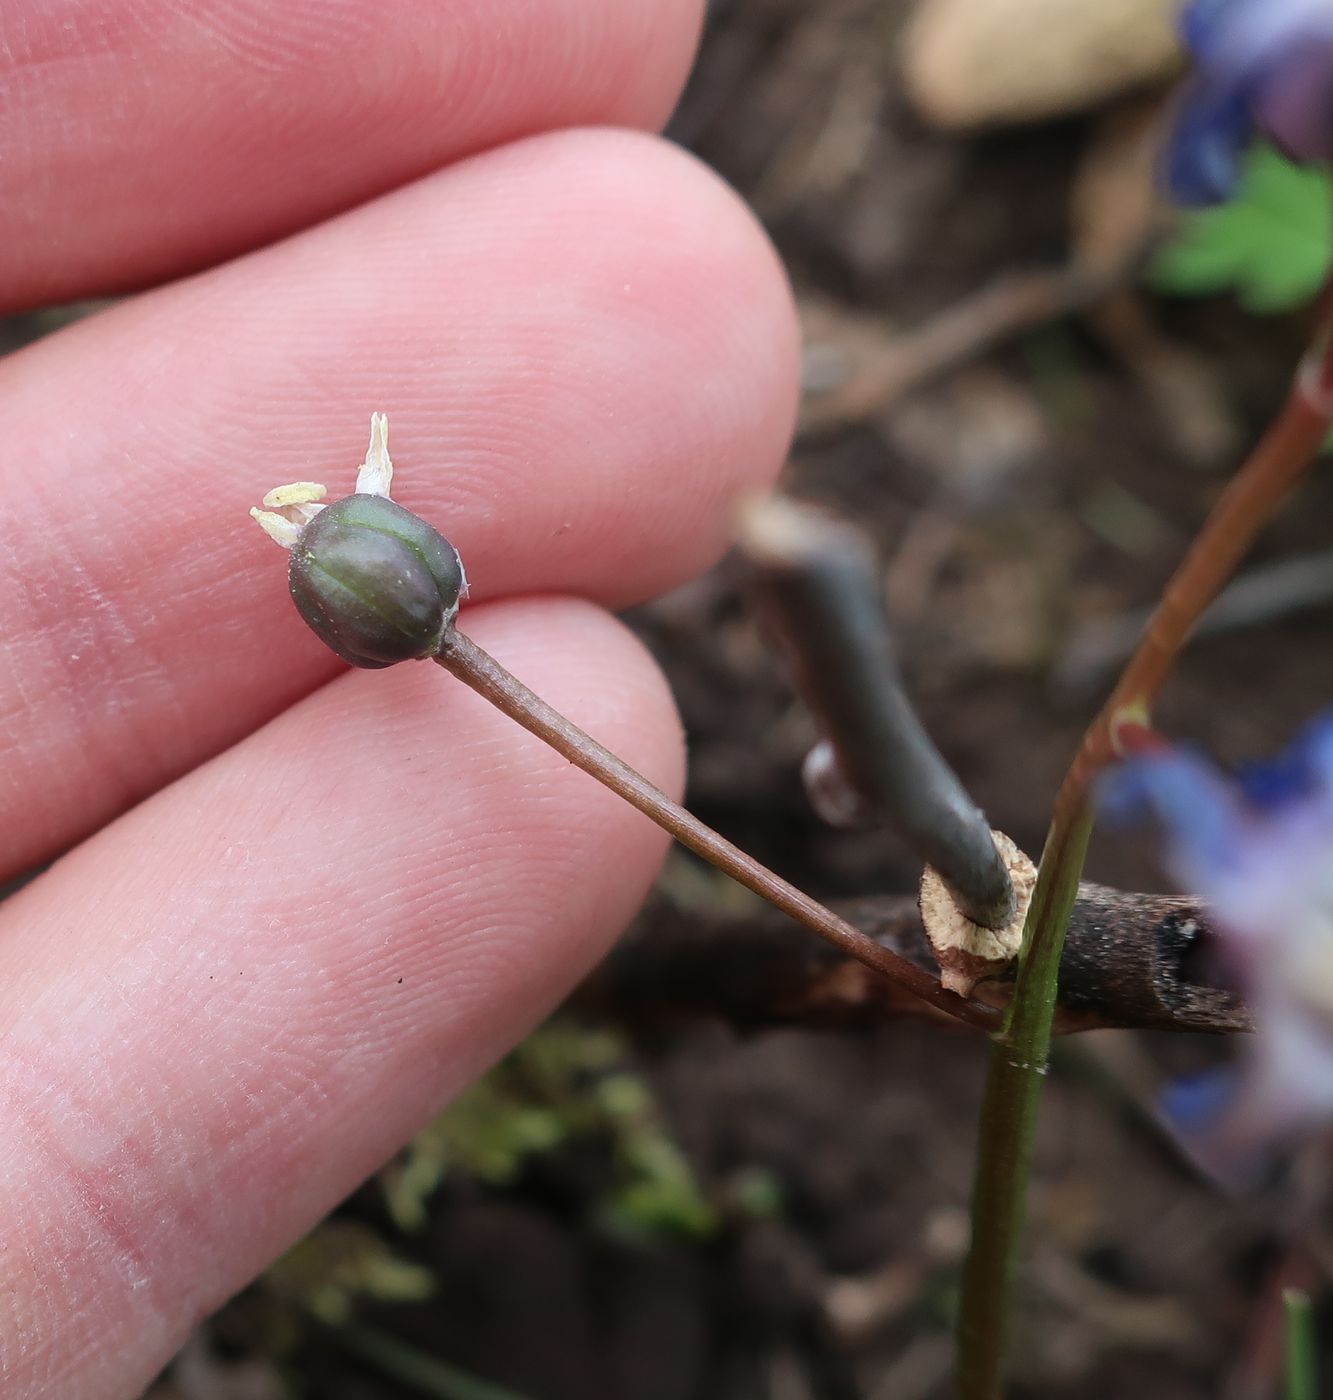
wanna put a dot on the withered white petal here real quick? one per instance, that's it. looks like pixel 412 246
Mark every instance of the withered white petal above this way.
pixel 277 527
pixel 290 508
pixel 297 493
pixel 966 952
pixel 376 472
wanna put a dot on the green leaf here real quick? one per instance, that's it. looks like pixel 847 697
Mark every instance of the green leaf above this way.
pixel 1272 245
pixel 341 1261
pixel 565 1083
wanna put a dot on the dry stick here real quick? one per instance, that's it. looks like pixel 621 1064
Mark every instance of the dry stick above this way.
pixel 1257 596
pixel 464 659
pixel 1132 962
pixel 1018 1059
pixel 817 577
pixel 964 331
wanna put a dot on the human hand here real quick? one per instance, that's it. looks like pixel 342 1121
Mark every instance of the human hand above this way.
pixel 304 906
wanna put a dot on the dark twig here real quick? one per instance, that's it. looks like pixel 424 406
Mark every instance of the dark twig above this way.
pixel 1132 961
pixel 817 579
pixel 463 658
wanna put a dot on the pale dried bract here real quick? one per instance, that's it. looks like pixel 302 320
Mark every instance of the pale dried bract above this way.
pixel 966 952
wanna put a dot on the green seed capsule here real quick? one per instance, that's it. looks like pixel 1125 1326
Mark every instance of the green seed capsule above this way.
pixel 375 583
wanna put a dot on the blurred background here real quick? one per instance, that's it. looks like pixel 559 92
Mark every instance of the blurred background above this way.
pixel 1030 410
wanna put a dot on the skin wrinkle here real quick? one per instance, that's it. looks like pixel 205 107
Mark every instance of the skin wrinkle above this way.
pixel 64 31
pixel 338 115
pixel 98 1214
pixel 131 1232
pixel 154 1317
pixel 243 31
pixel 50 689
pixel 40 60
pixel 81 668
pixel 28 73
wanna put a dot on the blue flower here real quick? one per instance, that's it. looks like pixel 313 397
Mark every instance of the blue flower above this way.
pixel 1260 65
pixel 1259 850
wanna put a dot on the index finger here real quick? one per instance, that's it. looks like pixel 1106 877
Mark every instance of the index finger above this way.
pixel 140 139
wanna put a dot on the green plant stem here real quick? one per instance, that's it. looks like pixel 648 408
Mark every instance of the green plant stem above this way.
pixel 1301 1347
pixel 1021 1048
pixel 423 1374
pixel 1008 1122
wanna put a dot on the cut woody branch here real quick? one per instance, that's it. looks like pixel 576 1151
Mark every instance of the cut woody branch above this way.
pixel 818 583
pixel 817 580
pixel 1132 962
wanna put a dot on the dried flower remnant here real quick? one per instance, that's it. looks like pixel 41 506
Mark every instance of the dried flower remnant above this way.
pixel 967 952
pixel 374 582
pixel 1261 67
pixel 1259 850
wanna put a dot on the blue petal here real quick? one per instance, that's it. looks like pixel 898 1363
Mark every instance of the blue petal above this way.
pixel 1317 747
pixel 1292 96
pixel 1195 1110
pixel 1302 770
pixel 1193 804
pixel 1276 782
pixel 1194 1104
pixel 1202 22
pixel 1212 129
